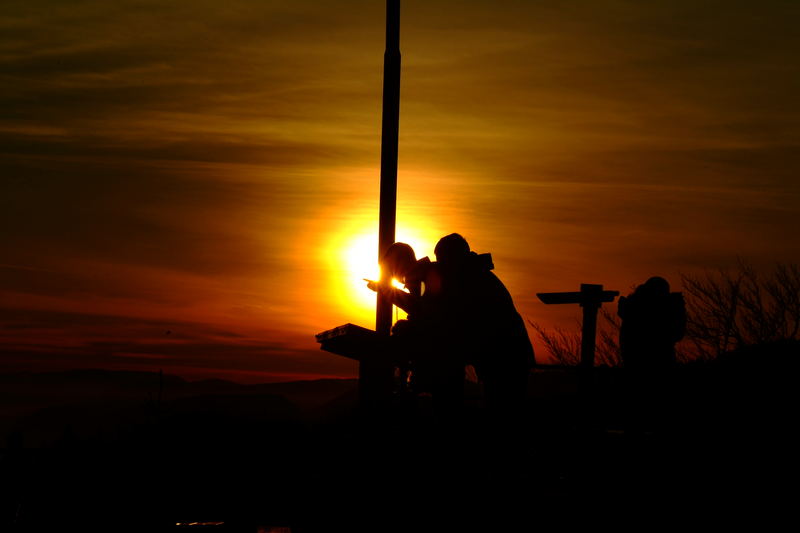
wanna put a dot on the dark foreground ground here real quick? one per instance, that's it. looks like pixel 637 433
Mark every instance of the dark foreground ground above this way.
pixel 112 451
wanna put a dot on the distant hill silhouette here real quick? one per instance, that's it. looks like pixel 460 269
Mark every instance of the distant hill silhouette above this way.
pixel 87 403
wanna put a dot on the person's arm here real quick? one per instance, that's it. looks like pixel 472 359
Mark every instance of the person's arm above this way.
pixel 401 299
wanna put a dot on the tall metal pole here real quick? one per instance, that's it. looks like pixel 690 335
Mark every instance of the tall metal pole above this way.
pixel 376 373
pixel 391 115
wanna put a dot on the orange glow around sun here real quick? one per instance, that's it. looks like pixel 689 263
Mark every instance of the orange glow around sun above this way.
pixel 353 256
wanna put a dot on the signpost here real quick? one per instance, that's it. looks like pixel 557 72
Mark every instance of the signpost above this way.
pixel 590 297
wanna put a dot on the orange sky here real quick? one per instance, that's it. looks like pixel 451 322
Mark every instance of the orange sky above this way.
pixel 200 168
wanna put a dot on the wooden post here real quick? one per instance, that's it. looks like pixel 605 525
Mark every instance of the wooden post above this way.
pixel 590 302
pixel 375 374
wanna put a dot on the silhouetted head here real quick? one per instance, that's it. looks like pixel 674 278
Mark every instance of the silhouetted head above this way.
pixel 656 286
pixel 398 260
pixel 451 250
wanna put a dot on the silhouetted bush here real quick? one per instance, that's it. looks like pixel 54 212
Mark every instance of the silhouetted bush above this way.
pixel 564 346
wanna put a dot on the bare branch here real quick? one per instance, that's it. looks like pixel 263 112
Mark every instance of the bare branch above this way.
pixel 728 309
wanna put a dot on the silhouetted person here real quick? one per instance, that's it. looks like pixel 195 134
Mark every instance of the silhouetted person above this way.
pixel 491 334
pixel 418 276
pixel 653 320
pixel 421 341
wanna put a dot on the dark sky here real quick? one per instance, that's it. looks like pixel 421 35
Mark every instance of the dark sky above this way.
pixel 210 169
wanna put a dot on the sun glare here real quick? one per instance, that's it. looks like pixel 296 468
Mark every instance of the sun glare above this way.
pixel 355 258
pixel 350 253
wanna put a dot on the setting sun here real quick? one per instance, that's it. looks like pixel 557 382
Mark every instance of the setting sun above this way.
pixel 353 257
